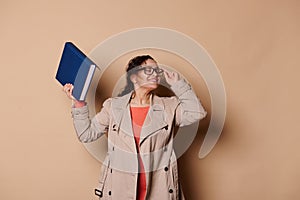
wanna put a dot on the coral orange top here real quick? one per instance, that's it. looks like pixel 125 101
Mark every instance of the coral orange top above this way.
pixel 138 115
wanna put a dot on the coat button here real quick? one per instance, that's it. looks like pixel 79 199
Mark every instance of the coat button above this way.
pixel 114 127
pixel 98 192
pixel 109 193
pixel 166 168
pixel 170 191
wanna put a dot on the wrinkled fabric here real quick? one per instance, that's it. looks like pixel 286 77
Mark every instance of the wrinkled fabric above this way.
pixel 118 178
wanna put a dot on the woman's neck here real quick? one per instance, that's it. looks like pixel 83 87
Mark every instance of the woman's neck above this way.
pixel 140 98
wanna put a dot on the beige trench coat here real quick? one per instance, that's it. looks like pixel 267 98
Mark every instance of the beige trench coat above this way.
pixel 118 180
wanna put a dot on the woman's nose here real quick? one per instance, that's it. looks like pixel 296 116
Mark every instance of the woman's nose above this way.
pixel 154 73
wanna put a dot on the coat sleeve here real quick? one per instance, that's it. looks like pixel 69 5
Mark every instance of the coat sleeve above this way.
pixel 90 130
pixel 189 109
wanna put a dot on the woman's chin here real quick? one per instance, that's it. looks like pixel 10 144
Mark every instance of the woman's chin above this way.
pixel 151 86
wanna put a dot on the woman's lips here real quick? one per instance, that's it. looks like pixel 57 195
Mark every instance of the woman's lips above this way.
pixel 154 80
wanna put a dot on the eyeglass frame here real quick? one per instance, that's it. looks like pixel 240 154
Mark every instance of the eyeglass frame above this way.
pixel 158 71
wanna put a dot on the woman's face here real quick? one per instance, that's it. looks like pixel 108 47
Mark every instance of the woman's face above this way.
pixel 148 76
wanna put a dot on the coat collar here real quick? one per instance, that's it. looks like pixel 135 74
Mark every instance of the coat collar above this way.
pixel 154 120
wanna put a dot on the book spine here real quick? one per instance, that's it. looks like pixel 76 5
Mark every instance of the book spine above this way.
pixel 87 82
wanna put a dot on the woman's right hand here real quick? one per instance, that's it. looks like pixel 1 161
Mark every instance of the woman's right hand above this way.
pixel 68 89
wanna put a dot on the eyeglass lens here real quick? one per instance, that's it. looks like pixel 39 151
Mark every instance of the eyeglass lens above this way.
pixel 150 70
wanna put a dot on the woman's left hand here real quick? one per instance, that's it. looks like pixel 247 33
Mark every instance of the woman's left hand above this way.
pixel 171 77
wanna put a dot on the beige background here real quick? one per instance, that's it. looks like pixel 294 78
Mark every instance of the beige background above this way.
pixel 255 45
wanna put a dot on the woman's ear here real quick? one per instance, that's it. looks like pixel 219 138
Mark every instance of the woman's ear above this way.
pixel 133 78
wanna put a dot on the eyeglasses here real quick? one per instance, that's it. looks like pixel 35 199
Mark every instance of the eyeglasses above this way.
pixel 149 70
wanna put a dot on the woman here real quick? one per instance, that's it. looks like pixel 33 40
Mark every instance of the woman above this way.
pixel 140 163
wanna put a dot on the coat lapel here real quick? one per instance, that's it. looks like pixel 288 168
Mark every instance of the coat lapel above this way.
pixel 154 120
pixel 121 114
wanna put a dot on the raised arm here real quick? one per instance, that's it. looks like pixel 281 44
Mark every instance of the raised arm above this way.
pixel 189 109
pixel 90 130
pixel 87 129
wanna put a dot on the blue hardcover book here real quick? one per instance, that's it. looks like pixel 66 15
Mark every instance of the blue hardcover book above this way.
pixel 75 68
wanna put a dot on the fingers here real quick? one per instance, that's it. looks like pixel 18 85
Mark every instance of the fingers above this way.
pixel 68 89
pixel 167 73
pixel 170 74
pixel 171 77
pixel 71 93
